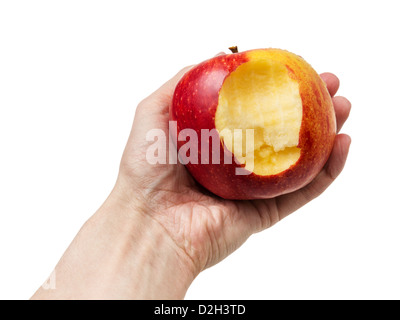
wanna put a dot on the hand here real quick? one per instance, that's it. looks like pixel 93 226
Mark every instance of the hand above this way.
pixel 158 228
pixel 203 227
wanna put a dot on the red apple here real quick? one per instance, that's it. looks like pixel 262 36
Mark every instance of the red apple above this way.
pixel 270 94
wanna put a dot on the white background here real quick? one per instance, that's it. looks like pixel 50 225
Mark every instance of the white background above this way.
pixel 72 73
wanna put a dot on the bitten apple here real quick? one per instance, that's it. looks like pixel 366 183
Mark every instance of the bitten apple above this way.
pixel 271 93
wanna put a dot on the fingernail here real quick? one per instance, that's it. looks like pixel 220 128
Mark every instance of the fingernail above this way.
pixel 220 54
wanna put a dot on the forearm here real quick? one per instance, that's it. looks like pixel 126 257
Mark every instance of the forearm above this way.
pixel 120 254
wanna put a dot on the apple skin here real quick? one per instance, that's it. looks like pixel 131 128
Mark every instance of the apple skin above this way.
pixel 194 105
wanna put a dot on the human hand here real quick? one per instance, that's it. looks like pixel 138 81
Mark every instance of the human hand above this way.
pixel 158 228
pixel 203 227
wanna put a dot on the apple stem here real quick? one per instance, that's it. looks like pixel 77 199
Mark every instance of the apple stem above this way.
pixel 234 49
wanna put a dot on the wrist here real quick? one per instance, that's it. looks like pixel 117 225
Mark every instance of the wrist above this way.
pixel 155 267
pixel 121 252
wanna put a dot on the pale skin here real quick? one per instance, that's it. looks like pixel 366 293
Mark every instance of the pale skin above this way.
pixel 158 229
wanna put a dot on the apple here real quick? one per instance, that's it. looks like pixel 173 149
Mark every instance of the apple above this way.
pixel 272 115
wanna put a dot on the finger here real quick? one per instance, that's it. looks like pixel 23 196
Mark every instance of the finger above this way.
pixel 171 84
pixel 155 107
pixel 332 82
pixel 289 203
pixel 168 88
pixel 159 101
pixel 342 109
pixel 165 92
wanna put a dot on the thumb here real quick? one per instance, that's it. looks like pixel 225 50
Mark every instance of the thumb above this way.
pixel 163 95
pixel 153 112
